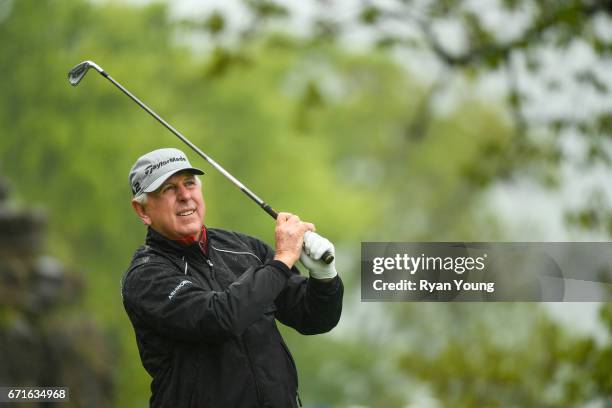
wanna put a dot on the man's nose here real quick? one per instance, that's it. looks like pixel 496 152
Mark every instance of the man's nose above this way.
pixel 183 193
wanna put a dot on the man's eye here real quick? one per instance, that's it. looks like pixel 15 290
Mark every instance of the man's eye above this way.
pixel 167 188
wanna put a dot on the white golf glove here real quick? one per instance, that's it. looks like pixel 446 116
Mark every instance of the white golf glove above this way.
pixel 314 248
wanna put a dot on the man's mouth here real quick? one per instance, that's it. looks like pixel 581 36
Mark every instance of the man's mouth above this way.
pixel 186 213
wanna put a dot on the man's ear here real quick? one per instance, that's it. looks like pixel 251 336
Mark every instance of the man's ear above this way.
pixel 139 209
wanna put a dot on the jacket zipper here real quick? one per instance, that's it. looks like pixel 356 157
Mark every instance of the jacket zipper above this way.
pixel 288 354
pixel 244 346
pixel 212 271
pixel 248 354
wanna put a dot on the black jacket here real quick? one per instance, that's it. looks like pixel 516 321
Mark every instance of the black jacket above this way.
pixel 205 325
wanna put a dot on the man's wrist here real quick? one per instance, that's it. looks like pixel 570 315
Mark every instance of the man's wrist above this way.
pixel 281 267
pixel 287 260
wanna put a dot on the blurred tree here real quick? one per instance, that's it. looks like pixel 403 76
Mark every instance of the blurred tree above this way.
pixel 511 39
pixel 43 344
pixel 541 364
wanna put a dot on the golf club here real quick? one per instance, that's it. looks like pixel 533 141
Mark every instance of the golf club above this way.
pixel 76 74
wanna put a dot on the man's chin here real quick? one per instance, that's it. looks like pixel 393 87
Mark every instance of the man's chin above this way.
pixel 191 230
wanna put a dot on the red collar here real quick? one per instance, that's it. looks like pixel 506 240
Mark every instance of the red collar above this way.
pixel 190 240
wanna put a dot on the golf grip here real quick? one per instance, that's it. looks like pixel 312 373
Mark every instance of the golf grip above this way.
pixel 327 257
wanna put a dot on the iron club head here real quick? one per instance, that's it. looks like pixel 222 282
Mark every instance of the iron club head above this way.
pixel 76 74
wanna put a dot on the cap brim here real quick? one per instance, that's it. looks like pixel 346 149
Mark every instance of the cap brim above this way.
pixel 160 180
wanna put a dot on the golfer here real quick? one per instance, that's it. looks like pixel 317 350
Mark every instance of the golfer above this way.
pixel 204 301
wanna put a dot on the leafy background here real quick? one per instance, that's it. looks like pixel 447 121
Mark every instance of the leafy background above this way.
pixel 349 137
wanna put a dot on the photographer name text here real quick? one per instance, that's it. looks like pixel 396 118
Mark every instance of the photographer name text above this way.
pixel 413 264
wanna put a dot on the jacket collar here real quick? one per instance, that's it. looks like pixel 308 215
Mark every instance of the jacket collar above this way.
pixel 174 248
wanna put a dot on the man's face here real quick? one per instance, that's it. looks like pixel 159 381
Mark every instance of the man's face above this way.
pixel 176 209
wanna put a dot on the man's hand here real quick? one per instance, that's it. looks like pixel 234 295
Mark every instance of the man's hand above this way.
pixel 314 248
pixel 289 235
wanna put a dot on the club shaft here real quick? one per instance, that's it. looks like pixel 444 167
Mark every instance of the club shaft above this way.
pixel 178 134
pixel 327 256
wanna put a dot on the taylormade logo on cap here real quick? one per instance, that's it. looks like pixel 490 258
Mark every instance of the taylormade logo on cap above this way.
pixel 152 167
pixel 151 170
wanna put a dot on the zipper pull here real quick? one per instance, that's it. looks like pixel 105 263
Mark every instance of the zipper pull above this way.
pixel 212 271
pixel 185 265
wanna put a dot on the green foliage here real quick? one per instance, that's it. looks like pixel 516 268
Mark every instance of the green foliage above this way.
pixel 265 9
pixel 215 23
pixel 369 14
pixel 491 373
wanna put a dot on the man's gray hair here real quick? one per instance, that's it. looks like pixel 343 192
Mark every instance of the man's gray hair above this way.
pixel 142 197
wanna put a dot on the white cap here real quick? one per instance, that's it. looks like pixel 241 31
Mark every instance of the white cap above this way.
pixel 151 170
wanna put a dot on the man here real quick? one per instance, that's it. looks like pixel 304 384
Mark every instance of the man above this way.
pixel 203 301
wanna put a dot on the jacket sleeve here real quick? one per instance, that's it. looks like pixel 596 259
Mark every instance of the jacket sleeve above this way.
pixel 177 307
pixel 308 305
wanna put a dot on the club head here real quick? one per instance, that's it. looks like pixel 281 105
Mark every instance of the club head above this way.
pixel 76 74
